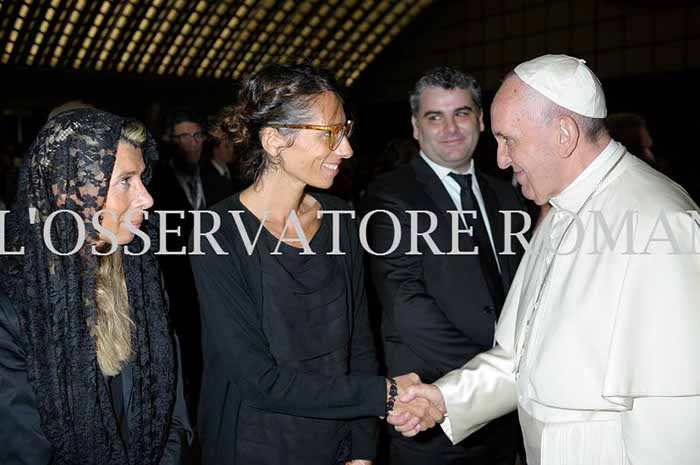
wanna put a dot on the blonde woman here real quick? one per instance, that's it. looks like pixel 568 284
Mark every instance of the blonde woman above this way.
pixel 88 365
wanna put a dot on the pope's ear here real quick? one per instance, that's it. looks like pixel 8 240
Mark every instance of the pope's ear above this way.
pixel 568 133
pixel 272 141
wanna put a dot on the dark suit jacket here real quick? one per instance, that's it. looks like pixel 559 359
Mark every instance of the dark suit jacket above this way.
pixel 216 186
pixel 437 312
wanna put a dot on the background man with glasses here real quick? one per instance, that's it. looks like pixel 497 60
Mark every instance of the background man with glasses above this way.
pixel 177 185
pixel 439 311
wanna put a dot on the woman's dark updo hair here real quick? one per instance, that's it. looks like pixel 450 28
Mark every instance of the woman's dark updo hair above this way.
pixel 277 93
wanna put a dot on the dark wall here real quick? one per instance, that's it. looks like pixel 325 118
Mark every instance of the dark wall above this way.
pixel 647 54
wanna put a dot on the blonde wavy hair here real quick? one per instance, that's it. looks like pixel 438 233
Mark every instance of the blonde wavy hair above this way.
pixel 113 330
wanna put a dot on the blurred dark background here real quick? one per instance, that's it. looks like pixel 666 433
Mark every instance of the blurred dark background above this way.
pixel 646 53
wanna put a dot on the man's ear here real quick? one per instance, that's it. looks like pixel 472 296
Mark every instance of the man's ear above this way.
pixel 568 134
pixel 415 127
pixel 272 141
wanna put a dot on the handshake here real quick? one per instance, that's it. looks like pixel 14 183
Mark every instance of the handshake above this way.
pixel 417 406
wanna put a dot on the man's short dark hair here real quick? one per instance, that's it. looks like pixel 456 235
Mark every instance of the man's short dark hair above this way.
pixel 446 78
pixel 182 115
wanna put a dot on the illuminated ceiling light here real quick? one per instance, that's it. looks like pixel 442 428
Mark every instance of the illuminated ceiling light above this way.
pixel 76 64
pixel 172 15
pixel 13 36
pixel 104 8
pixel 222 9
pixel 128 8
pixel 241 12
pixel 289 4
pixel 9 47
pixel 63 40
pixel 279 16
pixel 55 3
pixel 24 9
pixel 18 24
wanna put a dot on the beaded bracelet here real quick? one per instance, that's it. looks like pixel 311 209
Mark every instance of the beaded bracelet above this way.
pixel 393 392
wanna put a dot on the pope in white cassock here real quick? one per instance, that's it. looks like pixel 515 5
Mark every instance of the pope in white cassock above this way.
pixel 598 345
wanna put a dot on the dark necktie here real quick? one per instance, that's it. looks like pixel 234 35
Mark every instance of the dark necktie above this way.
pixel 489 267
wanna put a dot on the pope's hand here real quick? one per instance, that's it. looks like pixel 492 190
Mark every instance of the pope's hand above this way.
pixel 359 462
pixel 417 401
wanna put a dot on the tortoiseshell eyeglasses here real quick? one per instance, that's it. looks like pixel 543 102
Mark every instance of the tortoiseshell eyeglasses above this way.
pixel 334 132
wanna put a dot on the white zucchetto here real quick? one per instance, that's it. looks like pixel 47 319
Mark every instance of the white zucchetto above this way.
pixel 566 81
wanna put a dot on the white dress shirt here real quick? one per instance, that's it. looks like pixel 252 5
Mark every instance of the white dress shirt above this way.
pixel 454 190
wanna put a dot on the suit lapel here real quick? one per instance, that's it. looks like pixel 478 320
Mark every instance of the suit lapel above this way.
pixel 433 187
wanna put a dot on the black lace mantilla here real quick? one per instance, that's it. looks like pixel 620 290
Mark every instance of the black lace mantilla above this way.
pixel 68 167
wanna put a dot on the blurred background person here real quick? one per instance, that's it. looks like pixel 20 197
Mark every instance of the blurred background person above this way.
pixel 630 129
pixel 177 186
pixel 88 363
pixel 220 175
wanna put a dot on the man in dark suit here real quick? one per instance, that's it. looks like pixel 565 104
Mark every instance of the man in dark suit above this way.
pixel 219 176
pixel 440 306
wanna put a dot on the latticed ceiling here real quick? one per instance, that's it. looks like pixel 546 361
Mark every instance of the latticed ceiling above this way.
pixel 198 38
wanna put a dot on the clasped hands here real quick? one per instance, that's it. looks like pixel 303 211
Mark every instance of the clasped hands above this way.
pixel 418 406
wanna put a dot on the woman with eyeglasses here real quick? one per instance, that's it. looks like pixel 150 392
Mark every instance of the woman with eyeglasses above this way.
pixel 290 372
pixel 89 372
